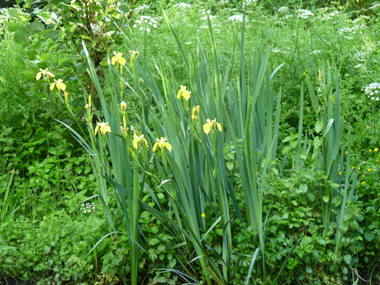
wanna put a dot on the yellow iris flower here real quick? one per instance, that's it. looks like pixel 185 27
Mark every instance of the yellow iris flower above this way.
pixel 161 143
pixel 45 72
pixel 59 84
pixel 320 75
pixel 104 128
pixel 195 109
pixel 184 93
pixel 138 139
pixel 118 58
pixel 208 126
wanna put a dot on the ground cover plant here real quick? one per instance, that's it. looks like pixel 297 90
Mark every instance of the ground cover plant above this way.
pixel 222 142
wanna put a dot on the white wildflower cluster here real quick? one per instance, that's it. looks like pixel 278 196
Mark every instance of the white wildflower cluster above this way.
pixel 352 30
pixel 372 91
pixel 330 15
pixel 248 2
pixel 145 23
pixel 182 5
pixel 205 13
pixel 87 207
pixel 315 52
pixel 237 18
pixel 360 56
pixel 375 6
pixel 283 9
pixel 304 14
pixel 142 7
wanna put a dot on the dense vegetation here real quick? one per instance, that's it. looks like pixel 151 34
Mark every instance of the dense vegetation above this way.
pixel 206 142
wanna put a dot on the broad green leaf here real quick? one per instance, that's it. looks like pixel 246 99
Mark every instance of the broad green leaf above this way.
pixel 286 149
pixel 369 235
pixel 326 199
pixel 22 35
pixel 12 27
pixel 347 258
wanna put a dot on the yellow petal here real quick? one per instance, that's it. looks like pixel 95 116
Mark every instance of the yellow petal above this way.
pixel 207 128
pixel 38 76
pixel 114 60
pixel 168 146
pixel 186 94
pixel 96 130
pixel 179 94
pixel 135 144
pixel 122 61
pixel 155 146
pixel 52 86
pixel 219 126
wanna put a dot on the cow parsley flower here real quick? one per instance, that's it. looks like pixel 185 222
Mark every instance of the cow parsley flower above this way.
pixel 145 23
pixel 182 5
pixel 87 207
pixel 237 18
pixel 304 14
pixel 283 9
pixel 142 7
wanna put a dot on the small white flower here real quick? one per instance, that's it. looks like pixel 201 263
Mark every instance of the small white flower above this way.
pixel 182 5
pixel 148 30
pixel 155 26
pixel 238 18
pixel 283 9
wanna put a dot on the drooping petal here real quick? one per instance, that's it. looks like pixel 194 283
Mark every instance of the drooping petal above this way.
pixel 52 86
pixel 168 146
pixel 38 76
pixel 219 126
pixel 207 128
pixel 155 146
pixel 96 130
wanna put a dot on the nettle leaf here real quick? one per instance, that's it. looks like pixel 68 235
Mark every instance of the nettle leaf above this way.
pixel 22 35
pixel 12 27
